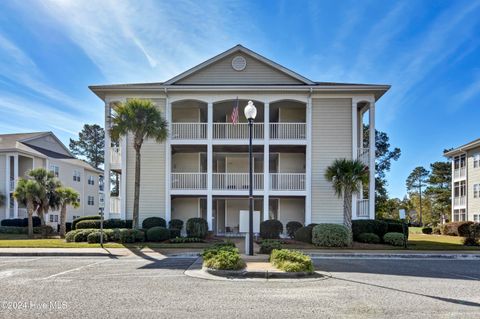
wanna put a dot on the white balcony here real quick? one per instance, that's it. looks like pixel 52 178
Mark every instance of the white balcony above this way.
pixel 238 131
pixel 363 209
pixel 363 155
pixel 287 181
pixel 288 131
pixel 189 131
pixel 189 181
pixel 115 157
pixel 459 173
pixel 460 201
pixel 236 181
pixel 115 205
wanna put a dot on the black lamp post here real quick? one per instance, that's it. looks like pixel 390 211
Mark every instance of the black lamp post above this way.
pixel 250 113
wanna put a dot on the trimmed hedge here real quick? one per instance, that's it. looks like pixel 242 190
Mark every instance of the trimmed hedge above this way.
pixel 21 222
pixel 267 245
pixel 197 227
pixel 292 227
pixel 174 233
pixel 182 240
pixel 79 219
pixel 271 229
pixel 369 238
pixel 175 224
pixel 304 234
pixel 394 239
pixel 153 222
pixel 44 230
pixel 291 261
pixel 378 227
pixel 331 235
pixel 222 258
pixel 107 224
pixel 456 229
pixel 427 230
pixel 158 233
pixel 122 235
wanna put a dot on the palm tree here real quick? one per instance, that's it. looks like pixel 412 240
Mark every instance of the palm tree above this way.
pixel 2 200
pixel 66 196
pixel 142 120
pixel 347 176
pixel 29 192
pixel 49 183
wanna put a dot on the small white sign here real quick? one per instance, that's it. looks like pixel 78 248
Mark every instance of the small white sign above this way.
pixel 402 213
pixel 244 221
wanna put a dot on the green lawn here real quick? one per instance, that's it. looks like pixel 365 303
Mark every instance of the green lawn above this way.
pixel 415 230
pixel 437 242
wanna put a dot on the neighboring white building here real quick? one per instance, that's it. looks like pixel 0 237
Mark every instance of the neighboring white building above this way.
pixel 466 182
pixel 202 169
pixel 22 152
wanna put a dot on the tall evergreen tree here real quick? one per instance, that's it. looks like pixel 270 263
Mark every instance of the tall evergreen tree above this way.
pixel 440 188
pixel 416 181
pixel 90 144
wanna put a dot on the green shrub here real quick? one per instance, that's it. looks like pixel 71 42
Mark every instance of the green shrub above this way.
pixel 331 235
pixel 292 227
pixel 131 235
pixel 153 222
pixel 70 236
pixel 158 233
pixel 174 233
pixel 82 234
pixel 471 241
pixel 181 240
pixel 291 261
pixel 394 239
pixel 271 229
pixel 227 243
pixel 427 230
pixel 473 235
pixel 369 238
pixel 13 230
pixel 21 222
pixel 395 227
pixel 107 224
pixel 94 238
pixel 222 258
pixel 197 227
pixel 44 230
pixel 456 229
pixel 304 234
pixel 436 230
pixel 378 227
pixel 267 245
pixel 79 219
pixel 175 224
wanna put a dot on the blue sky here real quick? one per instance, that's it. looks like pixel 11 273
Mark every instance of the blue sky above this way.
pixel 429 51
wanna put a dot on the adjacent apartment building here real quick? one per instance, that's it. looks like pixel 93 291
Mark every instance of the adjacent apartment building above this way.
pixel 466 182
pixel 22 152
pixel 202 168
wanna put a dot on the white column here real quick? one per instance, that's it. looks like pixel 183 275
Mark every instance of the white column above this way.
pixel 168 163
pixel 266 160
pixel 308 159
pixel 106 176
pixel 123 178
pixel 371 191
pixel 209 166
pixel 15 176
pixel 7 186
pixel 354 149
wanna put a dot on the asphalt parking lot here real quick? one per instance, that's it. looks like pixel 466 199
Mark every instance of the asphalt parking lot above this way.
pixel 148 286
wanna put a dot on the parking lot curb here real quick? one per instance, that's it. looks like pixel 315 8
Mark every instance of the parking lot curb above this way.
pixel 57 254
pixel 393 256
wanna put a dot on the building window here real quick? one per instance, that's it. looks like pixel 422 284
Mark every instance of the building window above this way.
pixel 476 218
pixel 459 161
pixel 91 180
pixel 459 189
pixel 91 200
pixel 55 170
pixel 53 218
pixel 101 183
pixel 76 176
pixel 459 215
pixel 476 190
pixel 476 160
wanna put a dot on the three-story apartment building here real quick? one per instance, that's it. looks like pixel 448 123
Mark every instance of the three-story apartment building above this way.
pixel 202 168
pixel 22 152
pixel 466 182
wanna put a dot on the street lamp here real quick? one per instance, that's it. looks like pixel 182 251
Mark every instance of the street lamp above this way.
pixel 250 113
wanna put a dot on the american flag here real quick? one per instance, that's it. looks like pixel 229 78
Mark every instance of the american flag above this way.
pixel 234 116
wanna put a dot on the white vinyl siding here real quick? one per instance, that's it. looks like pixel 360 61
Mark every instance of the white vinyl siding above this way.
pixel 331 139
pixel 473 176
pixel 3 191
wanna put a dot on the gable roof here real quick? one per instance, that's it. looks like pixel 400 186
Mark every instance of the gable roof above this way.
pixel 471 145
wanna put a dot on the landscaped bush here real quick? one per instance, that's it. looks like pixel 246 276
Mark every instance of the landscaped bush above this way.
pixel 227 243
pixel 271 229
pixel 222 258
pixel 473 235
pixel 182 240
pixel 158 233
pixel 91 217
pixel 122 235
pixel 70 236
pixel 331 235
pixel 436 230
pixel 267 245
pixel 82 234
pixel 107 224
pixel 369 238
pixel 175 224
pixel 395 227
pixel 456 229
pixel 304 234
pixel 13 230
pixel 427 230
pixel 292 227
pixel 94 238
pixel 197 227
pixel 21 222
pixel 291 261
pixel 131 235
pixel 43 230
pixel 174 233
pixel 153 222
pixel 394 239
pixel 378 227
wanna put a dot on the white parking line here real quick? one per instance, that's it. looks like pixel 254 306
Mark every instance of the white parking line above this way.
pixel 74 269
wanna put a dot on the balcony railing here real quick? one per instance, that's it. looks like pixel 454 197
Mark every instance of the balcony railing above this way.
pixel 363 155
pixel 459 201
pixel 115 155
pixel 115 205
pixel 189 131
pixel 363 209
pixel 459 172
pixel 288 131
pixel 236 181
pixel 287 181
pixel 238 131
pixel 191 181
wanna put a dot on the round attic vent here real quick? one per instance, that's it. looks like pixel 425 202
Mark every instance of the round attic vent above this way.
pixel 239 63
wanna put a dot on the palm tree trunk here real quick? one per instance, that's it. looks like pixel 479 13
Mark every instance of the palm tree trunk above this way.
pixel 136 199
pixel 41 215
pixel 347 209
pixel 30 219
pixel 63 215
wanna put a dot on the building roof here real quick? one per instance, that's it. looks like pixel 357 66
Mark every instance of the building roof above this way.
pixel 471 145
